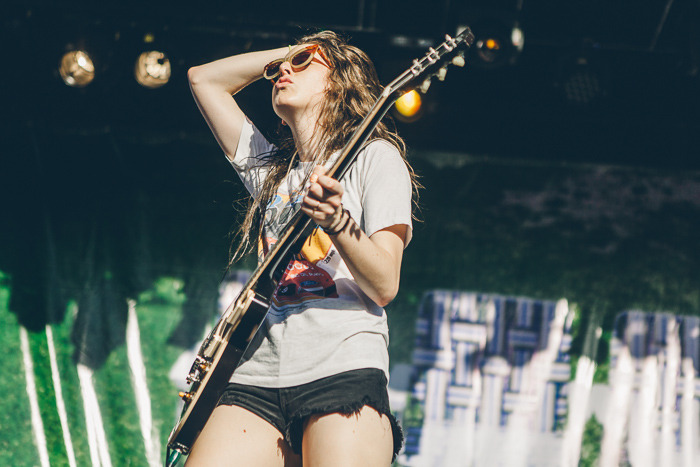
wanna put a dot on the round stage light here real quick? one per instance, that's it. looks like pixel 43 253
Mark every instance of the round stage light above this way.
pixel 489 49
pixel 408 106
pixel 492 44
pixel 77 69
pixel 499 40
pixel 517 38
pixel 152 69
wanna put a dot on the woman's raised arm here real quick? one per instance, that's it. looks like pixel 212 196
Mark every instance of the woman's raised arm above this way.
pixel 214 84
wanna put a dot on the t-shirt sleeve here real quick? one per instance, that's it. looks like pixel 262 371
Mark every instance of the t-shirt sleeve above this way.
pixel 247 160
pixel 386 189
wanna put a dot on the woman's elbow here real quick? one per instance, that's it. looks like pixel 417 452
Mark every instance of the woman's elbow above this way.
pixel 385 296
pixel 194 75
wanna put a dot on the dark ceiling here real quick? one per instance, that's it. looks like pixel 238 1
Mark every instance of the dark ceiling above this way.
pixel 597 81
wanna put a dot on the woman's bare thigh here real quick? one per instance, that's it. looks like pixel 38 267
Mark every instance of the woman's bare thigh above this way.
pixel 360 439
pixel 234 436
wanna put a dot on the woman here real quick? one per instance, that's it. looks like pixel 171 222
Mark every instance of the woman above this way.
pixel 313 385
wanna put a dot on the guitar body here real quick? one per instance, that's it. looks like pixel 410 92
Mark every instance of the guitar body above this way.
pixel 222 350
pixel 212 373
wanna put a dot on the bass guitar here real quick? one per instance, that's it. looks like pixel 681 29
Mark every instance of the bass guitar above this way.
pixel 222 350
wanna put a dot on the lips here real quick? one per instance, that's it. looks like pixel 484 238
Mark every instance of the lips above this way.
pixel 283 81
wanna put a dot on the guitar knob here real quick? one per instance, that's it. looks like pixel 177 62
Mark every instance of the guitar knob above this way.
pixel 191 378
pixel 424 87
pixel 202 364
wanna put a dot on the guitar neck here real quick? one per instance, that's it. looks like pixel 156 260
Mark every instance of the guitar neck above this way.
pixel 360 137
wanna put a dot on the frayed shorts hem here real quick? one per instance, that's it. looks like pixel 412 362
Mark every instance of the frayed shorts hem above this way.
pixel 287 409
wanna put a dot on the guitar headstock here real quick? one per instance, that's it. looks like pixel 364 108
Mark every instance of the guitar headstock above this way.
pixel 433 64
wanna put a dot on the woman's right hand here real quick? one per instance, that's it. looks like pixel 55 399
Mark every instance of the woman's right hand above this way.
pixel 213 86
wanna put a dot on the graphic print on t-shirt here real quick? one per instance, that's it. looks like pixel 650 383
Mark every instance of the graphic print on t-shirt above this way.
pixel 277 214
pixel 303 279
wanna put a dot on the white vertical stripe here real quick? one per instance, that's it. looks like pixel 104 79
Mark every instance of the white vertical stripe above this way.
pixel 540 366
pixel 689 416
pixel 578 402
pixel 99 451
pixel 60 405
pixel 37 424
pixel 140 386
pixel 643 416
pixel 670 392
pixel 460 368
pixel 618 410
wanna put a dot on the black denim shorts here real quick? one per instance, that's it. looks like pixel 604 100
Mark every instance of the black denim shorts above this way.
pixel 288 408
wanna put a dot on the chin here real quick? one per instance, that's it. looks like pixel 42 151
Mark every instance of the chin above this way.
pixel 282 108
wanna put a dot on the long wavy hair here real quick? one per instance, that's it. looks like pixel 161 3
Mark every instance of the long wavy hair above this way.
pixel 353 88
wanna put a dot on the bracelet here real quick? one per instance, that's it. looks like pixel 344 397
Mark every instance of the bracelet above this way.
pixel 340 225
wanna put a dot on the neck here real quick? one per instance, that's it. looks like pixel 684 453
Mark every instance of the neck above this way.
pixel 306 138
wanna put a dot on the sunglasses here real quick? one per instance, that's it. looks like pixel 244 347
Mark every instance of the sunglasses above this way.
pixel 299 60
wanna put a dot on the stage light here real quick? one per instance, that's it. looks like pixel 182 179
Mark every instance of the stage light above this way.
pixel 499 40
pixel 77 69
pixel 407 107
pixel 583 82
pixel 152 69
pixel 517 38
pixel 489 49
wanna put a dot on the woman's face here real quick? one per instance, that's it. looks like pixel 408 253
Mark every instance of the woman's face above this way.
pixel 299 94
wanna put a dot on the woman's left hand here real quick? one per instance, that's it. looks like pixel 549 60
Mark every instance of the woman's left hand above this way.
pixel 374 262
pixel 323 202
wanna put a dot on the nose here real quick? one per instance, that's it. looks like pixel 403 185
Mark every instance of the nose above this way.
pixel 285 68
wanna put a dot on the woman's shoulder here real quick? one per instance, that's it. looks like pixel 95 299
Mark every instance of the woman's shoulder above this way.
pixel 380 153
pixel 380 145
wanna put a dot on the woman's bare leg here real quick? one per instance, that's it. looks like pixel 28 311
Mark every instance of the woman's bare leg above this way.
pixel 234 436
pixel 363 439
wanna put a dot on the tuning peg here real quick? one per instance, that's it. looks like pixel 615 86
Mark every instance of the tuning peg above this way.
pixel 450 42
pixel 442 72
pixel 424 87
pixel 185 396
pixel 458 60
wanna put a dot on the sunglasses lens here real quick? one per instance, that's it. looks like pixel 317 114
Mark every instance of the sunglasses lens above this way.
pixel 272 69
pixel 302 58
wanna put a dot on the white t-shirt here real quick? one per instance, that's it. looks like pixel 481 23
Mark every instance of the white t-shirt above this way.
pixel 320 322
